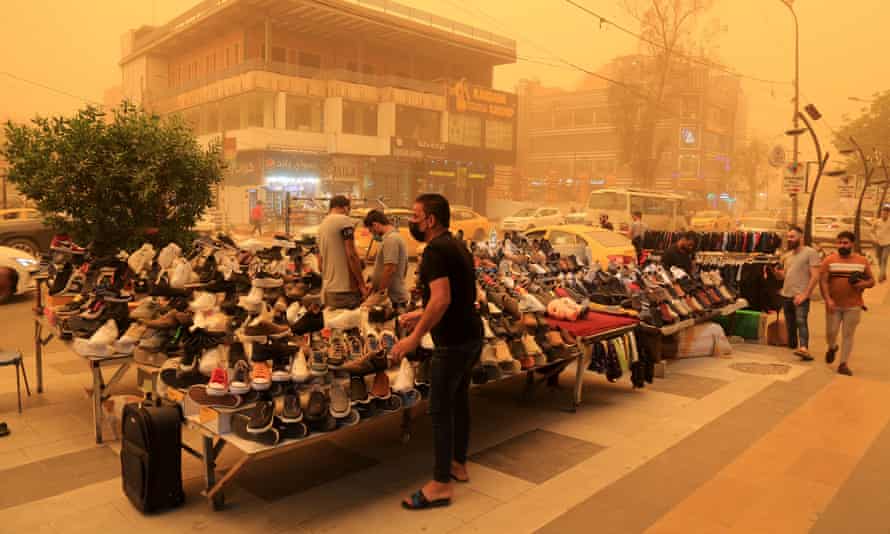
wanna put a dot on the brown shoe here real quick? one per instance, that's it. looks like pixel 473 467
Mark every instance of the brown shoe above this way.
pixel 555 338
pixel 380 388
pixel 164 322
pixel 266 328
pixel 369 363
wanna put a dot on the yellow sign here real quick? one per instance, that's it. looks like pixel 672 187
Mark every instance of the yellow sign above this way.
pixel 481 100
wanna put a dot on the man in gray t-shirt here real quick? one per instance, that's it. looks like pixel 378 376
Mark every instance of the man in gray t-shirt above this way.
pixel 341 269
pixel 800 275
pixel 391 264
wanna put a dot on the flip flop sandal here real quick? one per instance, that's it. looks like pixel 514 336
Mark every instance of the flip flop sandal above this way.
pixel 4 430
pixel 420 502
pixel 199 395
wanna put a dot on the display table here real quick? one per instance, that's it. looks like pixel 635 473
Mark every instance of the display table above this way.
pixel 653 336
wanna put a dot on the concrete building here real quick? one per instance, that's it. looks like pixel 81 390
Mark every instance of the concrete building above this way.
pixel 319 97
pixel 570 142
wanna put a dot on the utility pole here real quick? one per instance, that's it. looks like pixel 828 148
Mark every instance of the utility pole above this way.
pixel 787 3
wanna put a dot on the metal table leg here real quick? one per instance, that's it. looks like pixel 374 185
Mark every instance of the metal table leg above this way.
pixel 97 399
pixel 579 379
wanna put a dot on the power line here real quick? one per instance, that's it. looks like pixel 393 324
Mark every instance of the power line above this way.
pixel 693 59
pixel 48 88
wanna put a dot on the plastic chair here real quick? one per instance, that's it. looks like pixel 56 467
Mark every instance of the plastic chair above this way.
pixel 8 358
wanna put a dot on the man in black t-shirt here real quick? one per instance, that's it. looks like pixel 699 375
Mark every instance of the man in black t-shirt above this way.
pixel 681 253
pixel 448 282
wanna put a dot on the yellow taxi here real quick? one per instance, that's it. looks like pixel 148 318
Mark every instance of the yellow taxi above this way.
pixel 710 221
pixel 475 227
pixel 590 243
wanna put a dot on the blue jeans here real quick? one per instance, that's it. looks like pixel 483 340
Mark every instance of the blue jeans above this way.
pixel 796 322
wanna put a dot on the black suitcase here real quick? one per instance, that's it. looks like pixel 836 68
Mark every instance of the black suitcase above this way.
pixel 151 460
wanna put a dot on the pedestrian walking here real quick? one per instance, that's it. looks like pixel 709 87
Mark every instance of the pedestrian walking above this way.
pixel 256 218
pixel 882 239
pixel 800 274
pixel 843 278
pixel 447 280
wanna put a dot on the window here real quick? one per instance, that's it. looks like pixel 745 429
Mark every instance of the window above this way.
pixel 637 203
pixel 688 165
pixel 583 167
pixel 464 130
pixel 359 118
pixel 310 60
pixel 585 117
pixel 657 206
pixel 418 123
pixel 498 134
pixel 279 54
pixel 302 113
pixel 257 104
pixel 230 110
pixel 562 238
pixel 562 118
pixel 12 215
pixel 607 201
pixel 574 142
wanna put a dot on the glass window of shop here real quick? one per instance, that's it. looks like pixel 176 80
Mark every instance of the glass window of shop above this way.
pixel 359 118
pixel 498 134
pixel 230 111
pixel 465 130
pixel 688 165
pixel 260 107
pixel 607 201
pixel 303 114
pixel 416 123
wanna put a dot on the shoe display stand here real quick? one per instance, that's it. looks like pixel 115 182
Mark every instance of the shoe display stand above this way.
pixel 655 335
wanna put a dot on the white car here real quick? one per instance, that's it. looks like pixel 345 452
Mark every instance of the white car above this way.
pixel 528 218
pixel 827 227
pixel 23 264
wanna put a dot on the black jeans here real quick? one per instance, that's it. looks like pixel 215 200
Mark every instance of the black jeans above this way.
pixel 450 371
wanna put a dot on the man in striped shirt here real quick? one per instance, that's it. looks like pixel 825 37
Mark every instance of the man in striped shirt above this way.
pixel 844 276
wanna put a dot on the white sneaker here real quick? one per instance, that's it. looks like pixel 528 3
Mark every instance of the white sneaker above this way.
pixel 133 334
pixel 182 274
pixel 168 254
pixel 295 312
pixel 427 342
pixel 404 381
pixel 140 261
pixel 106 334
pixel 209 361
pixel 203 301
pixel 486 328
pixel 299 371
pixel 253 301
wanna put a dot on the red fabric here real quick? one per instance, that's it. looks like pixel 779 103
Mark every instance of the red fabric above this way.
pixel 594 323
pixel 257 213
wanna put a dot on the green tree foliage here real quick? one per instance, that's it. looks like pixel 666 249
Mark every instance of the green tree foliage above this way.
pixel 114 184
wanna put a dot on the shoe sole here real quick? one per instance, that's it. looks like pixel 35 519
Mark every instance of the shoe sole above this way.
pixel 259 430
pixel 318 371
pixel 239 390
pixel 281 378
pixel 339 414
pixel 299 379
pixel 215 392
pixel 291 419
pixel 260 386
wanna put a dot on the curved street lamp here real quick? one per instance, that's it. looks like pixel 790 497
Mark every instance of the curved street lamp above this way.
pixel 857 224
pixel 823 160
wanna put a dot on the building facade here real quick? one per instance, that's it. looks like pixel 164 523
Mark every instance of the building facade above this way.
pixel 571 142
pixel 321 97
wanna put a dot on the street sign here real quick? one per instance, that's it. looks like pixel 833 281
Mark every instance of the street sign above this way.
pixel 794 178
pixel 777 156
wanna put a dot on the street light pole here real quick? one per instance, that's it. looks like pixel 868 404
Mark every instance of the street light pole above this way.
pixel 822 161
pixel 857 223
pixel 787 3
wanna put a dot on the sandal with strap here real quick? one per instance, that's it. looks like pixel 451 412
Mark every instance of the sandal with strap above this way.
pixel 420 502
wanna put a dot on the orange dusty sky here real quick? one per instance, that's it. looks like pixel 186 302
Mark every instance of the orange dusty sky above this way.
pixel 73 46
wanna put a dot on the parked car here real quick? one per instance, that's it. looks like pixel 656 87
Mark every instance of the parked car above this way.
pixel 587 242
pixel 24 264
pixel 475 227
pixel 528 218
pixel 827 227
pixel 24 229
pixel 710 221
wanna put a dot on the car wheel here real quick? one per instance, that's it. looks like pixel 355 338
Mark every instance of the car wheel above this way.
pixel 479 235
pixel 25 245
pixel 6 289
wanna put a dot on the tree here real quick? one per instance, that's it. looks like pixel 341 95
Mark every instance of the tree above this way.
pixel 114 185
pixel 666 32
pixel 871 130
pixel 747 161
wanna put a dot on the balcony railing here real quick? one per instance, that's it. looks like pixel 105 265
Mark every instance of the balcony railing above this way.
pixel 302 71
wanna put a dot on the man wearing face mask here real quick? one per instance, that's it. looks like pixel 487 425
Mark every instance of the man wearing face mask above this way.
pixel 391 263
pixel 800 274
pixel 681 254
pixel 447 279
pixel 844 276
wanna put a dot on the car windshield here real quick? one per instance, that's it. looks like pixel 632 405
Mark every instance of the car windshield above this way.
pixel 608 239
pixel 527 212
pixel 607 201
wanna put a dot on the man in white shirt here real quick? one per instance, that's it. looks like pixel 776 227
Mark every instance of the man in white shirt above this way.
pixel 882 241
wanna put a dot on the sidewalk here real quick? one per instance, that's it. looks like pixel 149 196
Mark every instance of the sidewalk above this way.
pixel 711 448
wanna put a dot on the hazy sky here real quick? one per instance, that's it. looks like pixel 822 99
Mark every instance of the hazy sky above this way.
pixel 74 46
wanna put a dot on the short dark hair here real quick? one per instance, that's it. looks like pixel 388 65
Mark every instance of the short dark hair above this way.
pixel 637 214
pixel 339 201
pixel 376 216
pixel 796 228
pixel 436 205
pixel 846 234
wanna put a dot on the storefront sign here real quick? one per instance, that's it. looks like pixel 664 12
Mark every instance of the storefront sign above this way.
pixel 345 169
pixel 406 147
pixel 465 97
pixel 257 167
pixel 794 177
pixel 282 161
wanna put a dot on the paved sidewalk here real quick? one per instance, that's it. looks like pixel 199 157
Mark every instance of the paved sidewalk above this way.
pixel 711 448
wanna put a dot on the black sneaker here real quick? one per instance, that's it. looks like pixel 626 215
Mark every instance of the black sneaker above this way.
pixel 358 390
pixel 318 405
pixel 830 355
pixel 291 412
pixel 262 417
pixel 842 369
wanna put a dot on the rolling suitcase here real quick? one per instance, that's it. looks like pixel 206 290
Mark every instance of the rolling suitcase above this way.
pixel 151 460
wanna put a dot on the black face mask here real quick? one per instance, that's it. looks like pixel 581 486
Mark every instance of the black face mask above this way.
pixel 793 245
pixel 418 234
pixel 844 251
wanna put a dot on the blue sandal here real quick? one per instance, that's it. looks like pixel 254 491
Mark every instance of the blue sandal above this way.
pixel 420 502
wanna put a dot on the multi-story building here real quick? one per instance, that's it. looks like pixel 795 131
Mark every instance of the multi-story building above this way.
pixel 571 142
pixel 319 97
